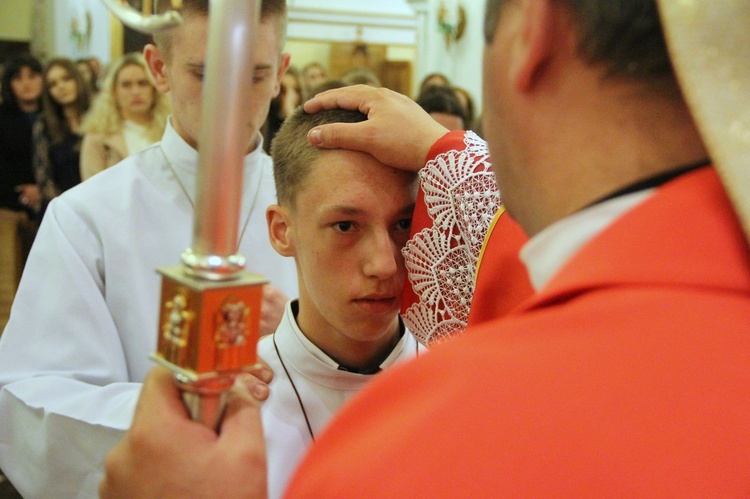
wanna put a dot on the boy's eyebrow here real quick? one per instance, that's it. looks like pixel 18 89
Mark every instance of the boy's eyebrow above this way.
pixel 352 210
pixel 344 210
pixel 408 209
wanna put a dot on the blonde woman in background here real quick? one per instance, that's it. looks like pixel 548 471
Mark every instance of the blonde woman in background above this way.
pixel 128 115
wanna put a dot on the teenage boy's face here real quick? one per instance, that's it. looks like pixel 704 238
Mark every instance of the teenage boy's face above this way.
pixel 350 220
pixel 181 73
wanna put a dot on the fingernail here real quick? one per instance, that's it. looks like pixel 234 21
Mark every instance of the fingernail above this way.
pixel 314 136
pixel 260 391
pixel 265 374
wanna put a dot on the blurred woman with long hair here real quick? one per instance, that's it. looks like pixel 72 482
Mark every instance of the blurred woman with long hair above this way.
pixel 128 115
pixel 57 139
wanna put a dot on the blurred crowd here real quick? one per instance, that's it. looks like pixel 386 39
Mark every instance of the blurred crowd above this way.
pixel 64 121
pixel 450 105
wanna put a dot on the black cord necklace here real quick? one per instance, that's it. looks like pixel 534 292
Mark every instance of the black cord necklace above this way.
pixel 299 399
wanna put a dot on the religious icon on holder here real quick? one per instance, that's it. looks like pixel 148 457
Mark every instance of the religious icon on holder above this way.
pixel 209 328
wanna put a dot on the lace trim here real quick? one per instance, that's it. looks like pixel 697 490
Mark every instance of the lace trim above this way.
pixel 461 197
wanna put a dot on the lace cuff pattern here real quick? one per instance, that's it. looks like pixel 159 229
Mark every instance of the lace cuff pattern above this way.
pixel 461 198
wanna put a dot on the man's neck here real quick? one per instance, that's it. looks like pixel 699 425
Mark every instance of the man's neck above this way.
pixel 372 364
pixel 614 139
pixel 193 142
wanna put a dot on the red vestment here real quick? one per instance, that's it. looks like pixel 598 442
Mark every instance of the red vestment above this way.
pixel 627 375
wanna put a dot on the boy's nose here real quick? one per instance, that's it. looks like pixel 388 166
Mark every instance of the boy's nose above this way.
pixel 380 260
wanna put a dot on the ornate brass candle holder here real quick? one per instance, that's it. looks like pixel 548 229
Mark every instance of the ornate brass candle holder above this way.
pixel 208 332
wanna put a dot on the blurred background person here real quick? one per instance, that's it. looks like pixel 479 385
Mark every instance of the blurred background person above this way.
pixel 313 74
pixel 434 80
pixel 467 103
pixel 22 87
pixel 96 67
pixel 87 72
pixel 361 76
pixel 326 85
pixel 442 104
pixel 127 116
pixel 57 139
pixel 20 198
pixel 289 98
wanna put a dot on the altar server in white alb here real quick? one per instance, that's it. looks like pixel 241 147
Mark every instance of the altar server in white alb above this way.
pixel 344 217
pixel 84 321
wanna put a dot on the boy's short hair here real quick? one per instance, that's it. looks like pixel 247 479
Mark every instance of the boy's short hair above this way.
pixel 268 9
pixel 293 154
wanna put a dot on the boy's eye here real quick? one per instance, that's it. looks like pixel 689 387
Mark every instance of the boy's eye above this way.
pixel 404 224
pixel 343 226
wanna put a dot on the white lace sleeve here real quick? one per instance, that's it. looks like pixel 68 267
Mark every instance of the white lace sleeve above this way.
pixel 462 197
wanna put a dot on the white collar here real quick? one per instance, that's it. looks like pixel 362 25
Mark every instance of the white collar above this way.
pixel 548 251
pixel 184 157
pixel 318 366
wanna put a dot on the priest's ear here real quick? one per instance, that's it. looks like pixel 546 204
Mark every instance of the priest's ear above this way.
pixel 279 230
pixel 539 38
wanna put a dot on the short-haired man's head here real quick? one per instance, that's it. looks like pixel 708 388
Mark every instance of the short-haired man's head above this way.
pixel 625 36
pixel 293 154
pixel 269 9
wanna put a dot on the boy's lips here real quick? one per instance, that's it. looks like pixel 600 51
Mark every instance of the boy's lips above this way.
pixel 377 304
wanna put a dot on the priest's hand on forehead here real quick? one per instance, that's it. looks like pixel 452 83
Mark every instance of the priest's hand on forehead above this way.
pixel 397 132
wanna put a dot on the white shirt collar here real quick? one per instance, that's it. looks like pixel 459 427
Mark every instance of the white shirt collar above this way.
pixel 548 251
pixel 183 157
pixel 322 357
